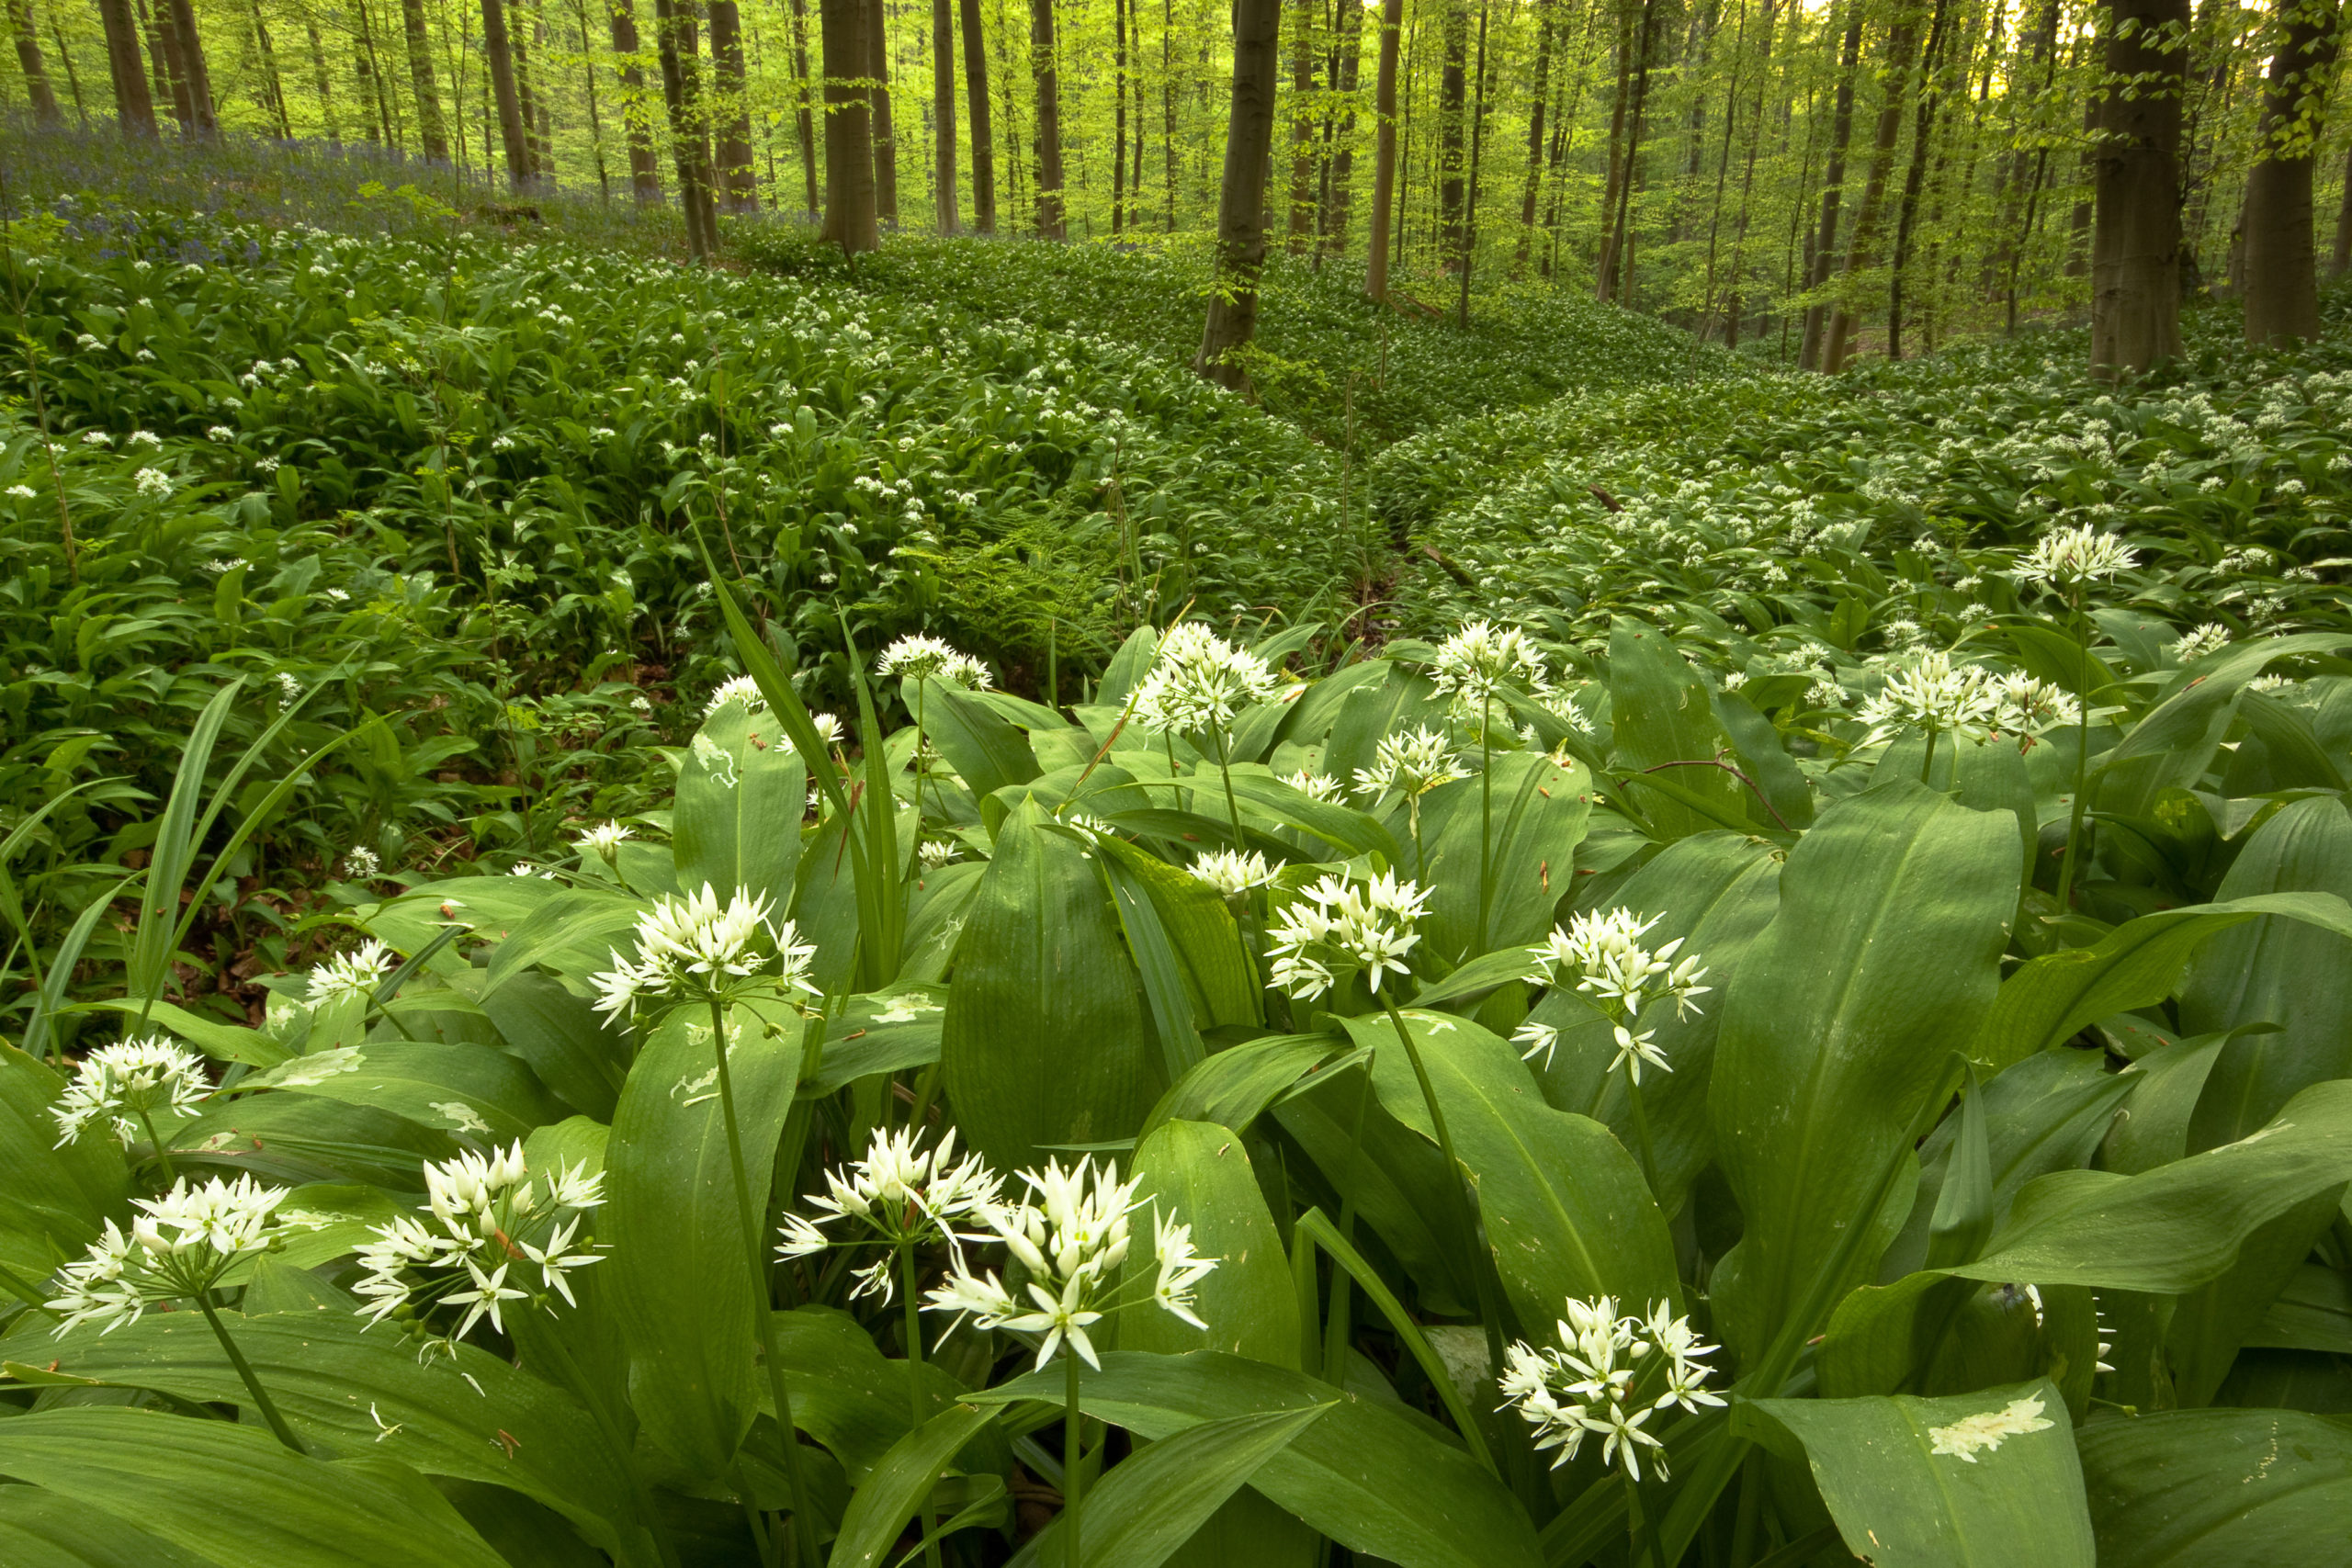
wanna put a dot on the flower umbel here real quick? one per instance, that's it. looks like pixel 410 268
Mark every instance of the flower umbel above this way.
pixel 1479 661
pixel 128 1082
pixel 1337 927
pixel 179 1247
pixel 2065 556
pixel 1603 953
pixel 1200 682
pixel 913 658
pixel 1608 1375
pixel 692 949
pixel 899 1195
pixel 353 974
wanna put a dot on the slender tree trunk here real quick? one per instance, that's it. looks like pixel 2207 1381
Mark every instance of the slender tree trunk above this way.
pixel 1833 186
pixel 2341 257
pixel 387 110
pixel 885 137
pixel 1301 226
pixel 1621 245
pixel 2135 241
pixel 273 85
pixel 644 168
pixel 1539 99
pixel 804 114
pixel 1118 115
pixel 1052 223
pixel 2282 270
pixel 674 44
pixel 1915 177
pixel 44 101
pixel 850 220
pixel 500 47
pixel 1241 202
pixel 1902 43
pixel 1747 179
pixel 1605 272
pixel 323 83
pixel 430 128
pixel 527 93
pixel 1477 144
pixel 1167 100
pixel 943 115
pixel 72 76
pixel 732 112
pixel 1453 141
pixel 975 99
pixel 1384 158
pixel 192 63
pixel 134 105
pixel 171 70
pixel 595 113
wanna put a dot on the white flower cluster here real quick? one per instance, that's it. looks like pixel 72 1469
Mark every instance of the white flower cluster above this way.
pixel 915 657
pixel 1412 760
pixel 1965 700
pixel 2065 556
pixel 1199 683
pixel 901 1196
pixel 604 840
pixel 1479 661
pixel 180 1245
pixel 1607 1376
pixel 353 974
pixel 2201 641
pixel 1232 872
pixel 1603 952
pixel 739 689
pixel 692 949
pixel 484 1210
pixel 1339 926
pixel 1071 1236
pixel 126 1083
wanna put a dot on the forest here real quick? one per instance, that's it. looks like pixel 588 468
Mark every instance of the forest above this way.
pixel 1441 783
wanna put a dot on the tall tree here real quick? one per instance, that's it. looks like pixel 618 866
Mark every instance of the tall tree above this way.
pixel 1823 247
pixel 1902 47
pixel 1453 140
pixel 851 221
pixel 134 107
pixel 976 94
pixel 323 83
pixel 677 48
pixel 430 129
pixel 1118 115
pixel 2135 238
pixel 942 113
pixel 885 137
pixel 1347 60
pixel 192 65
pixel 732 106
pixel 498 44
pixel 1617 266
pixel 44 100
pixel 1241 199
pixel 1052 223
pixel 803 114
pixel 644 169
pixel 1384 158
pixel 1538 99
pixel 1301 127
pixel 171 70
pixel 2281 269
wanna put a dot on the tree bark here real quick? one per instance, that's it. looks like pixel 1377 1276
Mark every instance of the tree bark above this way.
pixel 1241 200
pixel 734 115
pixel 851 221
pixel 803 116
pixel 37 87
pixel 1621 250
pixel 192 62
pixel 1301 226
pixel 1452 150
pixel 2281 268
pixel 644 168
pixel 2135 236
pixel 431 129
pixel 675 43
pixel 324 84
pixel 1384 158
pixel 975 99
pixel 500 48
pixel 73 77
pixel 1902 44
pixel 1605 272
pixel 1915 177
pixel 2342 255
pixel 1052 223
pixel 1539 100
pixel 943 114
pixel 1347 77
pixel 1833 187
pixel 134 105
pixel 379 85
pixel 273 91
pixel 1118 115
pixel 171 71
pixel 885 137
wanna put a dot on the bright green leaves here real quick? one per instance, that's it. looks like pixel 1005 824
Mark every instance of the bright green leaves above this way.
pixel 2201 1488
pixel 1839 1026
pixel 1539 813
pixel 1044 1042
pixel 1981 1480
pixel 52 1200
pixel 743 791
pixel 1199 1174
pixel 1663 718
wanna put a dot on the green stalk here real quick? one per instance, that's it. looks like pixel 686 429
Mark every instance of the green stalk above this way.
pixel 1641 1123
pixel 1927 763
pixel 623 1450
pixel 804 1520
pixel 2082 756
pixel 1489 1313
pixel 162 1158
pixel 1073 1479
pixel 1485 825
pixel 1647 1526
pixel 267 1406
pixel 1225 768
pixel 1336 1329
pixel 918 1400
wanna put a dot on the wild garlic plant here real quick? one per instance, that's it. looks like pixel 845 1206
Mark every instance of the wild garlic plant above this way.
pixel 1411 763
pixel 916 657
pixel 1604 954
pixel 181 1247
pixel 1071 1237
pixel 1475 666
pixel 2067 562
pixel 1197 687
pixel 127 1085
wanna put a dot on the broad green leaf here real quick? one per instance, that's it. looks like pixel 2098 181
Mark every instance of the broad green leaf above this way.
pixel 1878 966
pixel 1564 1205
pixel 41 1529
pixel 2313 1311
pixel 1662 716
pixel 1044 1042
pixel 1539 812
pixel 1148 1506
pixel 736 821
pixel 474 1090
pixel 222 1041
pixel 879 1033
pixel 2165 1087
pixel 2173 1228
pixel 357 1391
pixel 573 935
pixel 1986 1478
pixel 233 1493
pixel 986 753
pixel 2296 973
pixel 1402 699
pixel 581 1056
pixel 2174 743
pixel 845 1393
pixel 2211 1323
pixel 2205 1488
pixel 900 1480
pixel 1393 1173
pixel 677 1277
pixel 1374 1478
pixel 1198 1174
pixel 1237 1085
pixel 52 1198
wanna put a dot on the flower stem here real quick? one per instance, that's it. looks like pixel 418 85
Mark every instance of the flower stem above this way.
pixel 1641 1124
pixel 2082 756
pixel 1486 823
pixel 1650 1547
pixel 918 1397
pixel 267 1406
pixel 804 1519
pixel 1073 1477
pixel 1489 1313
pixel 1927 762
pixel 623 1450
pixel 162 1158
pixel 1225 767
pixel 1336 1332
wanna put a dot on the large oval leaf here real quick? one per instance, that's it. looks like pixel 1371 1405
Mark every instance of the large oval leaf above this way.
pixel 2206 1488
pixel 1198 1174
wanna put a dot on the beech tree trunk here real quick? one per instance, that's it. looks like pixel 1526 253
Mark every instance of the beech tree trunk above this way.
pixel 1605 272
pixel 2281 268
pixel 885 137
pixel 273 85
pixel 1823 247
pixel 805 114
pixel 2342 255
pixel 1051 223
pixel 324 84
pixel 1902 45
pixel 1301 226
pixel 1539 100
pixel 2135 235
pixel 20 22
pixel 644 169
pixel 1241 200
pixel 675 43
pixel 851 221
pixel 1618 279
pixel 1384 158
pixel 1915 177
pixel 1118 115
pixel 1350 55
pixel 171 70
pixel 1453 149
pixel 942 113
pixel 134 105
pixel 975 97
pixel 512 137
pixel 431 129
pixel 734 114
pixel 198 74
